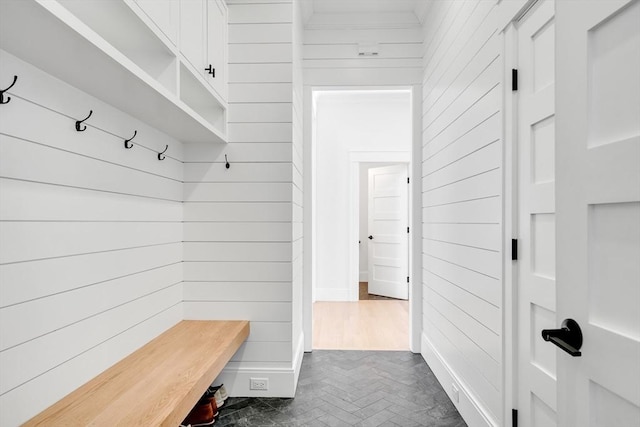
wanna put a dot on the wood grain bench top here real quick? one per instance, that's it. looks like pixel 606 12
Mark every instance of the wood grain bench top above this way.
pixel 158 384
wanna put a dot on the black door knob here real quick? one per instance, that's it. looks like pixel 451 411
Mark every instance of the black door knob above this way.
pixel 370 237
pixel 568 338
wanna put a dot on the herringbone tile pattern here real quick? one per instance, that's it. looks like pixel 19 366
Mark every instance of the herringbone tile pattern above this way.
pixel 352 388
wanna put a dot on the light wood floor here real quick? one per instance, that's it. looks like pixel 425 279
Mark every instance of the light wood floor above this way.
pixel 361 325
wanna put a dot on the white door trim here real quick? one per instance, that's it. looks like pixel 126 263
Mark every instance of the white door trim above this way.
pixel 415 214
pixel 510 13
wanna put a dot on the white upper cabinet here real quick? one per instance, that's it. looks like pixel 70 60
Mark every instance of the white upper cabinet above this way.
pixel 193 33
pixel 217 45
pixel 203 41
pixel 165 14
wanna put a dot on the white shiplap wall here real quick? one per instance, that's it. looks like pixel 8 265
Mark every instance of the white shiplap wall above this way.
pixel 90 239
pixel 298 175
pixel 331 53
pixel 241 230
pixel 462 181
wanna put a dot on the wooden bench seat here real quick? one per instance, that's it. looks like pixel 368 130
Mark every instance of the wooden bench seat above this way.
pixel 156 385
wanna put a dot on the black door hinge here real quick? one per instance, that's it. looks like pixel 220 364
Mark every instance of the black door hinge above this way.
pixel 407 229
pixel 514 79
pixel 407 279
pixel 408 180
pixel 514 418
pixel 514 249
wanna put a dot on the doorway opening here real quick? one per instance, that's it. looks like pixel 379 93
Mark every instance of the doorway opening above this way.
pixel 354 131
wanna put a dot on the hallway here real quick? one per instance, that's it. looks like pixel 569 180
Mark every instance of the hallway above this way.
pixel 352 388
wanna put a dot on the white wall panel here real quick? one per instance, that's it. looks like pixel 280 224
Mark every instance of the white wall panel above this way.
pixel 350 51
pixel 259 33
pixel 18 404
pixel 238 212
pixel 25 241
pixel 340 36
pixel 24 362
pixel 253 13
pixel 80 171
pixel 253 311
pixel 238 228
pixel 238 192
pixel 267 73
pixel 260 53
pixel 241 172
pixel 227 251
pixel 462 200
pixel 260 92
pixel 260 132
pixel 91 248
pixel 32 201
pixel 260 113
pixel 238 291
pixel 330 56
pixel 237 232
pixel 243 271
pixel 61 310
pixel 258 152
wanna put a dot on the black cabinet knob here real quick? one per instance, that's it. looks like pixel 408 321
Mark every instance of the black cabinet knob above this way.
pixel 370 237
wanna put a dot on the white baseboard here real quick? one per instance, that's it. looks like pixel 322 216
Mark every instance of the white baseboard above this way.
pixel 364 276
pixel 297 361
pixel 468 406
pixel 283 382
pixel 332 294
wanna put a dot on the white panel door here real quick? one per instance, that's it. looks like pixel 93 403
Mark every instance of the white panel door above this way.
pixel 536 216
pixel 388 237
pixel 598 209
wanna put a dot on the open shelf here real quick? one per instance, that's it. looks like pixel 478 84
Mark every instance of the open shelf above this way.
pixel 139 78
pixel 198 96
pixel 130 36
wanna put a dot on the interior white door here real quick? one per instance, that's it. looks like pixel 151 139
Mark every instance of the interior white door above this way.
pixel 598 209
pixel 388 235
pixel 536 287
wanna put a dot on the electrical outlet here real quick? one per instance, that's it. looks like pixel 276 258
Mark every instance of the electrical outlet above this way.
pixel 259 384
pixel 455 393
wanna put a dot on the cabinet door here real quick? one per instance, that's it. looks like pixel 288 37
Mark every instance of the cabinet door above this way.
pixel 192 33
pixel 165 14
pixel 217 45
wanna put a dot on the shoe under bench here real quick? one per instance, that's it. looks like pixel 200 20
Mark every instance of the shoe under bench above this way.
pixel 158 384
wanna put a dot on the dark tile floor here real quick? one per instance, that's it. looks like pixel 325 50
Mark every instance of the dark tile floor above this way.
pixel 352 388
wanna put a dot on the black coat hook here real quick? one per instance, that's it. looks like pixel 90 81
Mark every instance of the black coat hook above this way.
pixel 226 162
pixel 2 101
pixel 126 141
pixel 79 122
pixel 160 155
